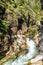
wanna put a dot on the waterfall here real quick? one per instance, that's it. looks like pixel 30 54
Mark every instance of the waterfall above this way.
pixel 23 59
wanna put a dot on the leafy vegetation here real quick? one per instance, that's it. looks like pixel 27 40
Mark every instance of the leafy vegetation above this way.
pixel 21 8
pixel 3 28
pixel 32 31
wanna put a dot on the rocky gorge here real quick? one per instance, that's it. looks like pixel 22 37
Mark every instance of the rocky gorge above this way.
pixel 19 18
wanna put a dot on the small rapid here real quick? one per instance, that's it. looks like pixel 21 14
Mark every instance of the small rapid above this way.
pixel 23 59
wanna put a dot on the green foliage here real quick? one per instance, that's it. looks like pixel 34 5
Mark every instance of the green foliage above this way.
pixel 32 31
pixel 3 28
pixel 17 5
pixel 22 8
pixel 3 25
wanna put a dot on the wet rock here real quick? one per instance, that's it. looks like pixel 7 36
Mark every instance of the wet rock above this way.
pixel 14 30
pixel 15 46
pixel 24 28
pixel 37 63
pixel 3 49
pixel 36 39
pixel 24 46
pixel 13 23
pixel 18 45
pixel 6 47
pixel 5 40
pixel 19 32
pixel 10 52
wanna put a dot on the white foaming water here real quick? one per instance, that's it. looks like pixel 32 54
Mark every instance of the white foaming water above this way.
pixel 23 59
pixel 39 57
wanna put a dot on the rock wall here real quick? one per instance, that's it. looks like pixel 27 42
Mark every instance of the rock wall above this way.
pixel 16 17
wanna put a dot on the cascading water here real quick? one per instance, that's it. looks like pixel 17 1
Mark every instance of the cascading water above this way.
pixel 23 59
